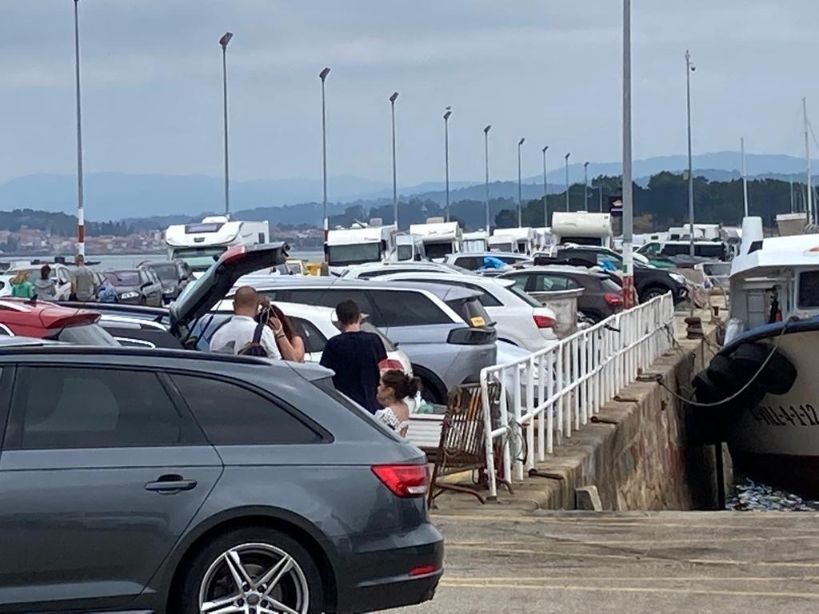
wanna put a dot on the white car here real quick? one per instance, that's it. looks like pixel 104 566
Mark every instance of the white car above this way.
pixel 371 270
pixel 519 319
pixel 319 324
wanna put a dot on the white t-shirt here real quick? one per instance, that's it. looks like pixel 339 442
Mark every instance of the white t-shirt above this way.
pixel 238 332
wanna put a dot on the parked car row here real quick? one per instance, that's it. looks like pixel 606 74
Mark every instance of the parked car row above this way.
pixel 265 487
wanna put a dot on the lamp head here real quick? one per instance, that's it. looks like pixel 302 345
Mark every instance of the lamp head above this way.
pixel 394 97
pixel 323 74
pixel 486 130
pixel 225 39
pixel 520 142
pixel 447 113
pixel 545 149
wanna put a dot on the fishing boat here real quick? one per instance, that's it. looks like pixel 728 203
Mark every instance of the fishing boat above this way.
pixel 760 392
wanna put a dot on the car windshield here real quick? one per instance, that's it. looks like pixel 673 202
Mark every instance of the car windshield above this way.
pixel 358 253
pixel 86 334
pixel 123 278
pixel 166 271
pixel 198 258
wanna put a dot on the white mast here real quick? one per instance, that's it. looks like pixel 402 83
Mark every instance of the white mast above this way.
pixel 809 209
pixel 744 176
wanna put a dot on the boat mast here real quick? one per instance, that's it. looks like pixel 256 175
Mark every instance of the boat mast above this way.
pixel 810 212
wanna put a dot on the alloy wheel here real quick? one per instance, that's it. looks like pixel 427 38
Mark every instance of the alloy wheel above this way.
pixel 254 578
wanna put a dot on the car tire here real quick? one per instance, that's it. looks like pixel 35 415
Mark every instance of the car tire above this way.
pixel 208 577
pixel 652 292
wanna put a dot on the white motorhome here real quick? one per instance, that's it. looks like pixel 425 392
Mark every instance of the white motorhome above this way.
pixel 543 238
pixel 582 228
pixel 201 243
pixel 475 242
pixel 408 248
pixel 439 237
pixel 360 244
pixel 704 232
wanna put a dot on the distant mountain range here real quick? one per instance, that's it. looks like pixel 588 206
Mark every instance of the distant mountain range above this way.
pixel 115 196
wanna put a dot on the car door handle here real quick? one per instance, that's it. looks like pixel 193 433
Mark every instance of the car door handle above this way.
pixel 170 484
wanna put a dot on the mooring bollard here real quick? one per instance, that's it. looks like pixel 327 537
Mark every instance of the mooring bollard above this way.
pixel 694 327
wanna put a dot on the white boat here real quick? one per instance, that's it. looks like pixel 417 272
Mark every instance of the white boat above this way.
pixel 762 385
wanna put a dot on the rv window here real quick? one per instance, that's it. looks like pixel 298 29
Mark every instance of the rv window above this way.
pixel 404 252
pixel 344 255
pixel 438 250
pixel 809 289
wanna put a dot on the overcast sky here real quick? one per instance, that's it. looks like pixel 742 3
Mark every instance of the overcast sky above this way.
pixel 547 70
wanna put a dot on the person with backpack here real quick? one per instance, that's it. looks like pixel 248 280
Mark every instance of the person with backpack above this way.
pixel 242 334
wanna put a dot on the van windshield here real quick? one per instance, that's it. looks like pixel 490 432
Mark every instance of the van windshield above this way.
pixel 357 253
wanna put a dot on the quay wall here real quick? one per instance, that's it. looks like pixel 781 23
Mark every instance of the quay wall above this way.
pixel 641 453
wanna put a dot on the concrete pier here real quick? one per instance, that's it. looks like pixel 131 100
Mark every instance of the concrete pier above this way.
pixel 723 562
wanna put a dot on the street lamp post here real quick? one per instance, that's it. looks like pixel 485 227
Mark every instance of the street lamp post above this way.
pixel 486 159
pixel 325 223
pixel 447 114
pixel 545 190
pixel 628 196
pixel 689 68
pixel 520 199
pixel 566 157
pixel 744 176
pixel 223 42
pixel 393 98
pixel 80 204
pixel 585 186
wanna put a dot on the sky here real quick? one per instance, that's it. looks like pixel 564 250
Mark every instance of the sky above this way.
pixel 546 70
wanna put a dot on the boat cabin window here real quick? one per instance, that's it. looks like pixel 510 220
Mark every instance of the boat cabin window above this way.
pixel 809 289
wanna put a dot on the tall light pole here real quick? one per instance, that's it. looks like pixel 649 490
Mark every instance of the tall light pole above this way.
pixel 689 68
pixel 486 159
pixel 545 190
pixel 393 98
pixel 809 190
pixel 791 185
pixel 628 196
pixel 80 204
pixel 326 222
pixel 744 176
pixel 585 186
pixel 223 42
pixel 520 198
pixel 566 157
pixel 600 201
pixel 447 114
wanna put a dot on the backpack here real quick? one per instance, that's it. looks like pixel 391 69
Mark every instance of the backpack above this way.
pixel 255 347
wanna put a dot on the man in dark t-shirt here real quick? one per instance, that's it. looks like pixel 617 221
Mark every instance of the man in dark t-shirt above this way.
pixel 354 356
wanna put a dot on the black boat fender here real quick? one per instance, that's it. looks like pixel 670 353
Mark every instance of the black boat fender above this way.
pixel 778 375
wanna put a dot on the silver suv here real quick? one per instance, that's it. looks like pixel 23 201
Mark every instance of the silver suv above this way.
pixel 444 330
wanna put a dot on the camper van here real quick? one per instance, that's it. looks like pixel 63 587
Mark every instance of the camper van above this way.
pixel 408 248
pixel 475 242
pixel 439 237
pixel 361 243
pixel 514 240
pixel 200 244
pixel 582 228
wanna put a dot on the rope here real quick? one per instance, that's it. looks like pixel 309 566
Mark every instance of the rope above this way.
pixel 741 390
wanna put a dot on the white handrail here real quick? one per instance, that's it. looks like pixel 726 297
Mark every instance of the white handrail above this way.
pixel 560 388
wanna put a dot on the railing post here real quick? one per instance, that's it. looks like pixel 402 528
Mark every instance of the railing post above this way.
pixel 488 443
pixel 530 409
pixel 517 425
pixel 541 403
pixel 550 408
pixel 504 419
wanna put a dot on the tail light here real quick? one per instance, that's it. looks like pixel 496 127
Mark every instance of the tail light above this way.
pixel 390 364
pixel 544 321
pixel 403 480
pixel 615 301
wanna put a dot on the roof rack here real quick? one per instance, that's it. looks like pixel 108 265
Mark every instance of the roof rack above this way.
pixel 80 350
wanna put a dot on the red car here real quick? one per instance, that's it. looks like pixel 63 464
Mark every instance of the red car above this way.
pixel 42 320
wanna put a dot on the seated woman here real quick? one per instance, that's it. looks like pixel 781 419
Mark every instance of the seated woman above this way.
pixel 394 388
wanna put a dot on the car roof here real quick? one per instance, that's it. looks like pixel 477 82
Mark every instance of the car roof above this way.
pixel 486 254
pixel 159 357
pixel 9 341
pixel 558 268
pixel 272 282
pixel 444 278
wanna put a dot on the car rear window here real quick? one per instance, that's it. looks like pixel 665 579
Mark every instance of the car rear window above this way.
pixel 407 309
pixel 522 295
pixel 389 346
pixel 327 387
pixel 233 415
pixel 610 286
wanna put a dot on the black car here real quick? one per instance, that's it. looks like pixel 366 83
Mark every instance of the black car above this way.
pixel 138 286
pixel 174 275
pixel 601 296
pixel 648 281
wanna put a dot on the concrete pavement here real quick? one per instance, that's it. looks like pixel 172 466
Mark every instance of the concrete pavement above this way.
pixel 506 561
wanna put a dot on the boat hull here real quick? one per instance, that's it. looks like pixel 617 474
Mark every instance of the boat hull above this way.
pixel 777 440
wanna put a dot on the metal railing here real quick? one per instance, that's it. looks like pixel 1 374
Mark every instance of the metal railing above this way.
pixel 556 390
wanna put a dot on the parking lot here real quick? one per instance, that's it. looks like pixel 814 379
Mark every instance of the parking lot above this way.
pixel 628 562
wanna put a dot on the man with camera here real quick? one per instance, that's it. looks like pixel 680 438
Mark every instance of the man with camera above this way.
pixel 243 334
